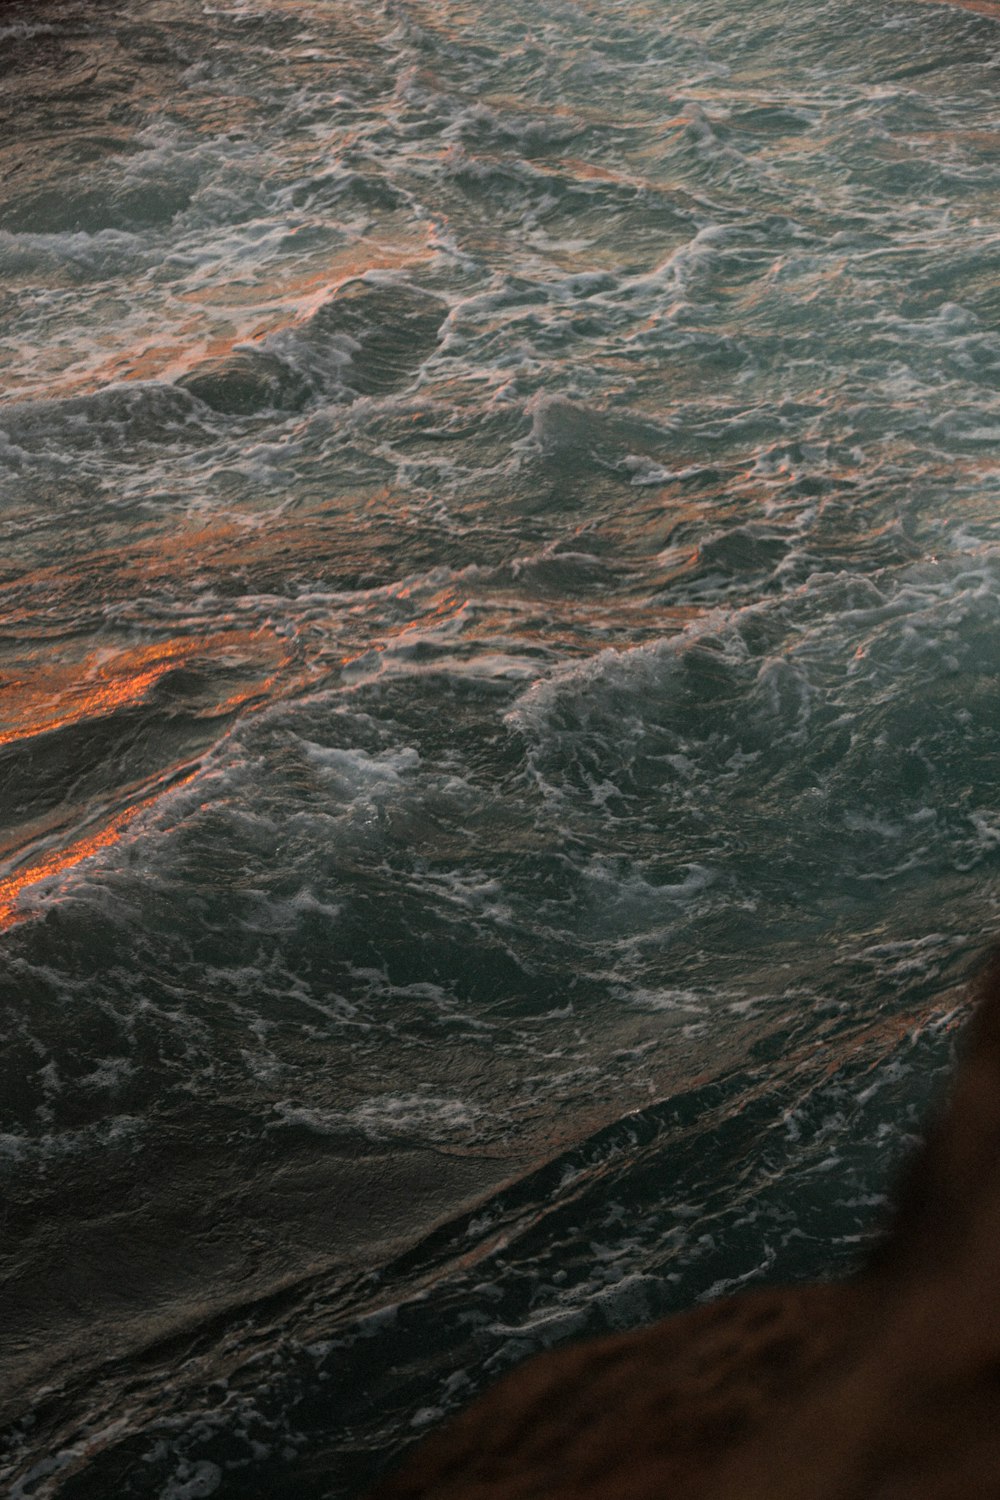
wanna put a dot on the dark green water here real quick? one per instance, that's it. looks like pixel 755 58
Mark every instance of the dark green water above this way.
pixel 499 717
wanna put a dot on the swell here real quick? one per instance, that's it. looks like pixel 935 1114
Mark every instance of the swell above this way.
pixel 724 1182
pixel 577 438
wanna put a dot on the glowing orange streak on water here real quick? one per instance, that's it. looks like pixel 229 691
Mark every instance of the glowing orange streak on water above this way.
pixel 57 863
pixel 108 685
pixel 100 700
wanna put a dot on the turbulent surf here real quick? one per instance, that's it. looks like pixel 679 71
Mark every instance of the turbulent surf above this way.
pixel 498 694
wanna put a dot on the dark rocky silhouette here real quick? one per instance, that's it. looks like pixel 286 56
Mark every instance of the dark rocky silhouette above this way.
pixel 886 1387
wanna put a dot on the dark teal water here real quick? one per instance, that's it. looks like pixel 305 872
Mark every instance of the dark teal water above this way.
pixel 499 716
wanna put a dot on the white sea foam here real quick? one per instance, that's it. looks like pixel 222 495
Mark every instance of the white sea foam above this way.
pixel 193 1481
pixel 393 1117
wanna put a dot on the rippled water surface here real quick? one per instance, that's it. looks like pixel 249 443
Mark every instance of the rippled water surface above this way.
pixel 499 714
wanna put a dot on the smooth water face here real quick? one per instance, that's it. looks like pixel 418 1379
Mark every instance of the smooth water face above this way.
pixel 498 689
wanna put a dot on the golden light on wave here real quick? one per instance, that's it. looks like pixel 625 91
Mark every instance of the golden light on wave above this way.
pixel 103 683
pixel 60 861
pixel 217 320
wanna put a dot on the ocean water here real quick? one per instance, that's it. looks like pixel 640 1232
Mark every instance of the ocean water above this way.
pixel 499 703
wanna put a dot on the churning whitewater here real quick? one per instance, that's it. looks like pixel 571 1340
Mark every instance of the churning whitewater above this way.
pixel 499 716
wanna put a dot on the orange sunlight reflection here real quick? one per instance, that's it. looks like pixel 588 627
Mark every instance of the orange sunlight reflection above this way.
pixel 105 682
pixel 212 323
pixel 59 861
